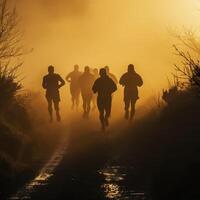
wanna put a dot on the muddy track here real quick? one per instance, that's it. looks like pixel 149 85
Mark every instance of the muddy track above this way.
pixel 44 175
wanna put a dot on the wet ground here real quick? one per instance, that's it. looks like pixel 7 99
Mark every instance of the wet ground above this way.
pixel 44 175
pixel 114 184
pixel 82 169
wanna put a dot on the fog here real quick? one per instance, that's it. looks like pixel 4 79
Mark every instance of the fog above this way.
pixel 103 32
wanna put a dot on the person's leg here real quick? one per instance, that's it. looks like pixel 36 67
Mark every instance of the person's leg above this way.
pixel 56 106
pixel 133 102
pixel 50 109
pixel 72 96
pixel 127 104
pixel 56 100
pixel 102 119
pixel 89 99
pixel 107 107
pixel 84 105
pixel 94 102
pixel 77 99
pixel 86 112
pixel 73 100
pixel 101 113
pixel 106 118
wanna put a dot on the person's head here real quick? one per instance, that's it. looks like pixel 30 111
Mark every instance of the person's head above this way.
pixel 102 72
pixel 76 67
pixel 51 69
pixel 95 71
pixel 107 69
pixel 131 68
pixel 87 69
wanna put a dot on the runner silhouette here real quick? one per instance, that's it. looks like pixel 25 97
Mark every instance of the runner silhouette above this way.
pixel 86 81
pixel 73 78
pixel 51 83
pixel 130 81
pixel 104 87
pixel 112 76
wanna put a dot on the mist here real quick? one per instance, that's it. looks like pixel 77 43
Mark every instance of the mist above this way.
pixel 103 32
pixel 60 150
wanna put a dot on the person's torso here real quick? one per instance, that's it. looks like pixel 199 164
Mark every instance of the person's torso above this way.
pixel 130 81
pixel 75 77
pixel 86 82
pixel 104 87
pixel 52 82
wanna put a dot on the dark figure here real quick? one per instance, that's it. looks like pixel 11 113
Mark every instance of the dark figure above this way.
pixel 112 76
pixel 94 98
pixel 86 81
pixel 130 81
pixel 52 82
pixel 104 86
pixel 73 78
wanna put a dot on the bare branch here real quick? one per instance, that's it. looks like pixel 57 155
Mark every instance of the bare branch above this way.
pixel 189 70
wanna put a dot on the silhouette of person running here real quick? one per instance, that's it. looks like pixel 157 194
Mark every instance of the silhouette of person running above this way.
pixel 51 83
pixel 130 81
pixel 112 76
pixel 73 78
pixel 104 87
pixel 94 98
pixel 86 81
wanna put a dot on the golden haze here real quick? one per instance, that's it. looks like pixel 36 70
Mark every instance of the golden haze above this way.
pixel 103 32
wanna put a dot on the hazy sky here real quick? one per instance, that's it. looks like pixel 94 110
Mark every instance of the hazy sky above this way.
pixel 104 32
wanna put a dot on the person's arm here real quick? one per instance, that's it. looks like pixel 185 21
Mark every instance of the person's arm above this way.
pixel 44 83
pixel 68 78
pixel 139 80
pixel 62 82
pixel 122 81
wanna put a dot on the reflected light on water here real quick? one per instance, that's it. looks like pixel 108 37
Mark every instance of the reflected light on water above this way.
pixel 114 187
pixel 112 191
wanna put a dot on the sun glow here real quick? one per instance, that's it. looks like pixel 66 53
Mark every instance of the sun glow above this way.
pixel 103 32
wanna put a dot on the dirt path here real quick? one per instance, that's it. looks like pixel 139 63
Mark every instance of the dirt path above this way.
pixel 44 175
pixel 84 167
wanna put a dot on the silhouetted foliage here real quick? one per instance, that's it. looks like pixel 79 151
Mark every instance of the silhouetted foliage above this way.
pixel 168 95
pixel 10 49
pixel 189 70
pixel 189 39
pixel 9 86
pixel 14 118
pixel 10 35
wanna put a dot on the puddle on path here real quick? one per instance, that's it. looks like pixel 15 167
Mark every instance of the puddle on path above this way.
pixel 114 186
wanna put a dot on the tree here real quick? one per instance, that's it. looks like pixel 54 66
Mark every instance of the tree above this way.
pixel 10 35
pixel 10 49
pixel 188 71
